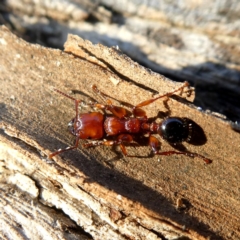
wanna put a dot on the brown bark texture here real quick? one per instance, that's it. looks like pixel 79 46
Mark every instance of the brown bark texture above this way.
pixel 100 191
pixel 97 193
pixel 197 41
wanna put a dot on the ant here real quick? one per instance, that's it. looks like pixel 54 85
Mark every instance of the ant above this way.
pixel 120 129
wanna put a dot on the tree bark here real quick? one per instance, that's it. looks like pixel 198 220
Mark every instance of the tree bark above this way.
pixel 97 193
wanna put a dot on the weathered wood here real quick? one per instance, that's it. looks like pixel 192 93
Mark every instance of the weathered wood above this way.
pixel 187 40
pixel 108 196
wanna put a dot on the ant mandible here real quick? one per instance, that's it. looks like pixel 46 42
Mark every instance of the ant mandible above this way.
pixel 119 129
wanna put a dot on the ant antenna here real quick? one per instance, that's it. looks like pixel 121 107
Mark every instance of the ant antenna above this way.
pixel 64 94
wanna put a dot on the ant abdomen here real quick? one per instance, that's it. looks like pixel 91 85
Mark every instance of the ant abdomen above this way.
pixel 175 130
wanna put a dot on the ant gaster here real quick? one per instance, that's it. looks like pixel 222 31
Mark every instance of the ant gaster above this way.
pixel 119 129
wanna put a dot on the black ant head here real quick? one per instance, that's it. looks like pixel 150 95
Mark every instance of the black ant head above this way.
pixel 175 130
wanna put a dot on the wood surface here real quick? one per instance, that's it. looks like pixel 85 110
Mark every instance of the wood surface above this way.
pixel 97 193
pixel 189 40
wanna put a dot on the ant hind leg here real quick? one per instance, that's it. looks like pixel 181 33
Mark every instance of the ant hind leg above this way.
pixel 155 145
pixel 189 154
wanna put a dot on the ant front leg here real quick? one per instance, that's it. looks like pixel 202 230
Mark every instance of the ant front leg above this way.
pixel 64 150
pixel 155 145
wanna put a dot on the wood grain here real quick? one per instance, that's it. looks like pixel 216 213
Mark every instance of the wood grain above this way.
pixel 98 190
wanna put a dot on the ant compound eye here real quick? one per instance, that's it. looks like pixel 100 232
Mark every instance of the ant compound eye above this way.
pixel 174 130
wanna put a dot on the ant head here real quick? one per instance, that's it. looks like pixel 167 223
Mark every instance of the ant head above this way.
pixel 175 130
pixel 71 127
pixel 75 125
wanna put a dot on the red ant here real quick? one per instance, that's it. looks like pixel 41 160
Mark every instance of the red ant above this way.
pixel 119 128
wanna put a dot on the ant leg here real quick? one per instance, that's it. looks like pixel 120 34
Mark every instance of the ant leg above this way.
pixel 189 154
pixel 64 150
pixel 138 112
pixel 103 95
pixel 119 112
pixel 122 138
pixel 137 108
pixel 74 99
pixel 155 144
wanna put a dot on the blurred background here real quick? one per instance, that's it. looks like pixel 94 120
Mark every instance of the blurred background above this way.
pixel 193 40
